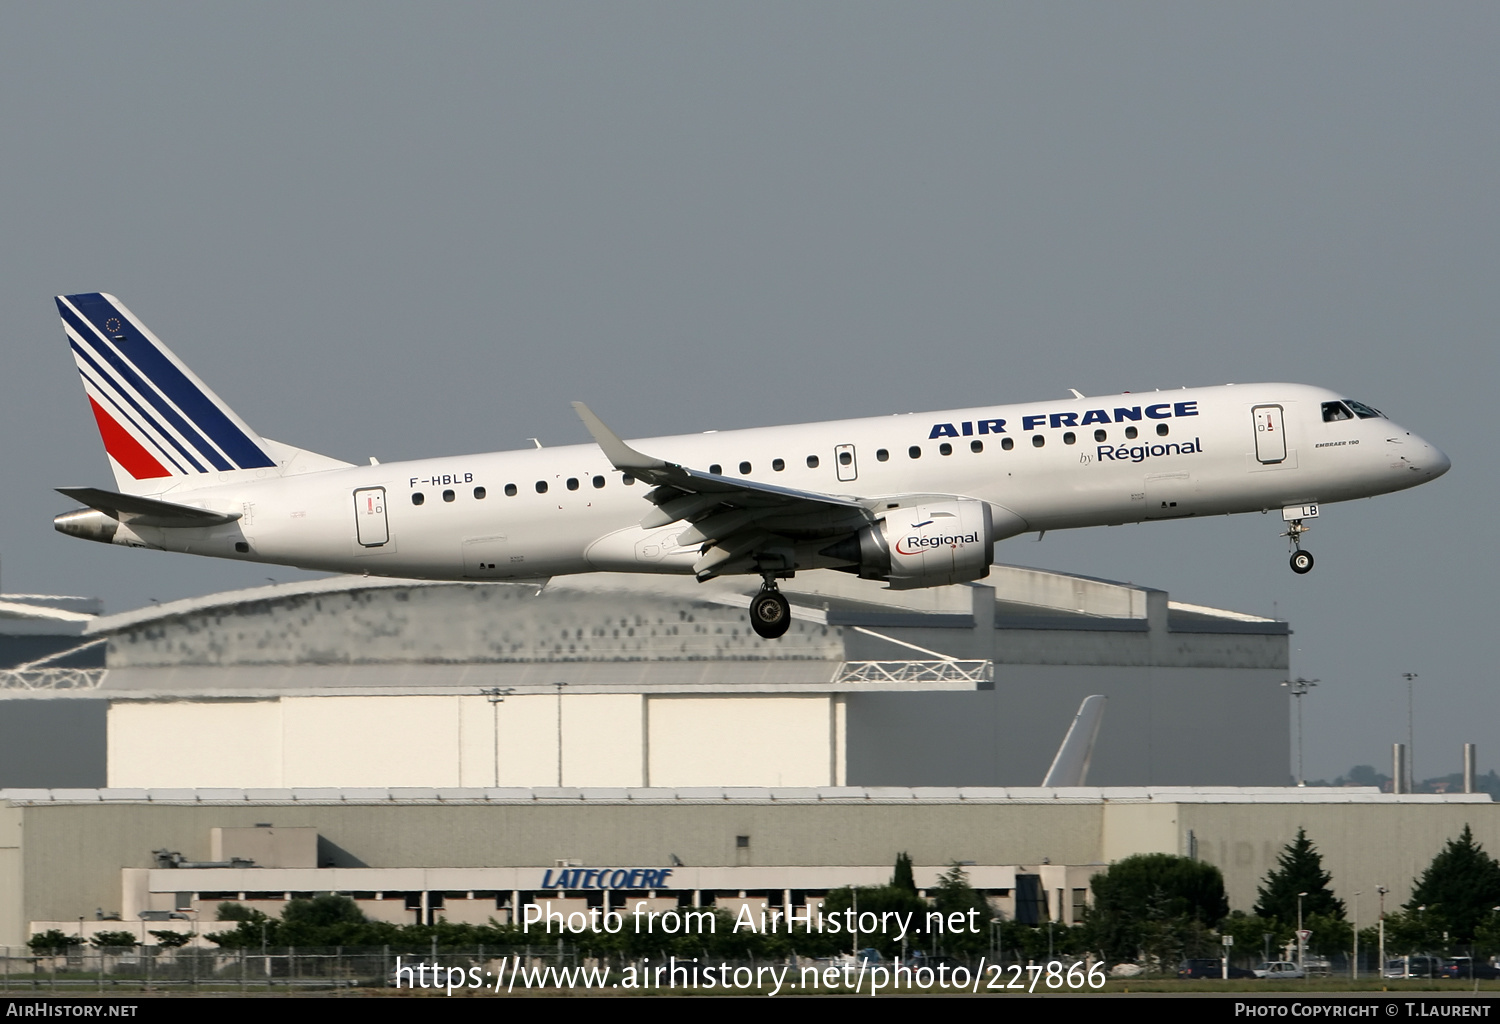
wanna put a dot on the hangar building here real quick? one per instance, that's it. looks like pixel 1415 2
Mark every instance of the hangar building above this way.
pixel 412 855
pixel 636 681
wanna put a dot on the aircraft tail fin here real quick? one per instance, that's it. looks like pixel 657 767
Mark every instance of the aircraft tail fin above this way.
pixel 1071 765
pixel 160 424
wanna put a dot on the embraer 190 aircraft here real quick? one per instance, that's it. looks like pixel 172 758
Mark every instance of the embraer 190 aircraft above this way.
pixel 915 500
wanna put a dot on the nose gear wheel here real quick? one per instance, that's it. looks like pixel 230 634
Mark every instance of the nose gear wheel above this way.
pixel 1302 561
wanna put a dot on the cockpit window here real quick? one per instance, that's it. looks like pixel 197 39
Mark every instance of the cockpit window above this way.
pixel 1364 412
pixel 1333 412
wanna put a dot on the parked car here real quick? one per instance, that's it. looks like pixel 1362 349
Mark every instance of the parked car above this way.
pixel 1467 967
pixel 1279 970
pixel 1412 967
pixel 1209 967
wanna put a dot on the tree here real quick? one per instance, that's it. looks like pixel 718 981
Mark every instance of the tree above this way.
pixel 878 900
pixel 171 940
pixel 326 920
pixel 1157 903
pixel 1298 869
pixel 1250 935
pixel 252 928
pixel 954 895
pixel 1458 889
pixel 1415 931
pixel 903 878
pixel 114 940
pixel 53 941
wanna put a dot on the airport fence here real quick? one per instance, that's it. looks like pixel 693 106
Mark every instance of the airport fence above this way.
pixel 149 968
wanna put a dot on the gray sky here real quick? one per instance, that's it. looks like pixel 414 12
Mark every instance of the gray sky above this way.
pixel 404 230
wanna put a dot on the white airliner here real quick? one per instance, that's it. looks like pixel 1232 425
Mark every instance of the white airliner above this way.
pixel 915 500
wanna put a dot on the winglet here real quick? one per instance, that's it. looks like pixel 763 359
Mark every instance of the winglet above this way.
pixel 621 455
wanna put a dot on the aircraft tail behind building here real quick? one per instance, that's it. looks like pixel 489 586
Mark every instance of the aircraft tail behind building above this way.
pixel 161 425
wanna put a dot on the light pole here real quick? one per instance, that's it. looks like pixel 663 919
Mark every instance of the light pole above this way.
pixel 1298 688
pixel 496 696
pixel 1380 963
pixel 1301 945
pixel 559 734
pixel 1354 967
pixel 1411 733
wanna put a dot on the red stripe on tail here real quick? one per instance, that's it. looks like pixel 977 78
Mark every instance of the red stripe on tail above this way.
pixel 124 449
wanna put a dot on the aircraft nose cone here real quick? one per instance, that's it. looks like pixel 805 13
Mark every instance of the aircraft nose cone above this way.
pixel 1438 463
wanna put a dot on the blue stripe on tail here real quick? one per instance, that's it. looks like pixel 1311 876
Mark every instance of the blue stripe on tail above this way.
pixel 204 413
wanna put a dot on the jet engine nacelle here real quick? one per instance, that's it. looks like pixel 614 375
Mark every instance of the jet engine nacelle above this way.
pixel 927 545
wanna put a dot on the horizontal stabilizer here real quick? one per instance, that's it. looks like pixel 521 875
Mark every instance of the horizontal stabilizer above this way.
pixel 139 511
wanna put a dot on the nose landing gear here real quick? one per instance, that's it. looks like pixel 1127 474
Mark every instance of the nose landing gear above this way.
pixel 770 613
pixel 1302 561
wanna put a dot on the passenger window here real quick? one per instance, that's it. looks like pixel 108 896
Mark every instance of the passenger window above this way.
pixel 1070 438
pixel 915 451
pixel 976 446
pixel 479 492
pixel 1007 443
pixel 1101 435
pixel 881 455
pixel 417 498
pixel 572 483
pixel 945 448
pixel 716 469
pixel 541 487
pixel 812 462
pixel 778 464
pixel 1130 433
pixel 846 458
pixel 627 479
pixel 510 490
pixel 744 469
pixel 1161 430
pixel 598 481
pixel 1037 440
pixel 448 495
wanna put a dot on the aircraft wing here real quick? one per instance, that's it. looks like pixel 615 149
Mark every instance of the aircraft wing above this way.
pixel 138 511
pixel 732 519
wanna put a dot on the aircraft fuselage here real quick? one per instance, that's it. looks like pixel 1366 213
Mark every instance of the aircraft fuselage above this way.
pixel 553 511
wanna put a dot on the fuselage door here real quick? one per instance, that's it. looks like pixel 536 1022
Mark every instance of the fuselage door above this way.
pixel 1270 437
pixel 370 524
pixel 843 457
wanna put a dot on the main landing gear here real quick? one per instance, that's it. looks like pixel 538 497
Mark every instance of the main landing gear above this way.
pixel 770 613
pixel 1302 561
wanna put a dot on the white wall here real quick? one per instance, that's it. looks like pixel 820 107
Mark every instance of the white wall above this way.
pixel 465 741
pixel 231 744
pixel 742 741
